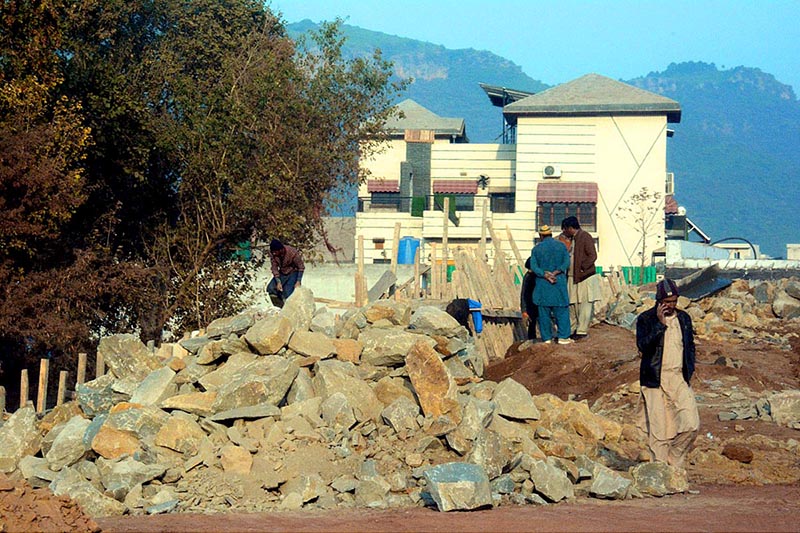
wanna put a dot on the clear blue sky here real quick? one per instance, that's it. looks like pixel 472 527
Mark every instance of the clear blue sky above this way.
pixel 558 40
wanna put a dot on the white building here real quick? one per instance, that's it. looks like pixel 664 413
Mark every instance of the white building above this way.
pixel 582 148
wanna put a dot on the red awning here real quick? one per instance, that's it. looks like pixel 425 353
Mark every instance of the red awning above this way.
pixel 455 186
pixel 567 192
pixel 383 186
pixel 670 205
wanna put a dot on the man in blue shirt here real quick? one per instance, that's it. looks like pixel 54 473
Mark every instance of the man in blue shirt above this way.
pixel 550 262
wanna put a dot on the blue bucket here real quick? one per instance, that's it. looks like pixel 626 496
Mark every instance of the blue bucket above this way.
pixel 477 316
pixel 407 250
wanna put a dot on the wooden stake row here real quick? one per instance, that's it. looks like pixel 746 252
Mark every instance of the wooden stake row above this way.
pixel 44 373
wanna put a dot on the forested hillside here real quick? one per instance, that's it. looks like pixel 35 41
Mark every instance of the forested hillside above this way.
pixel 735 153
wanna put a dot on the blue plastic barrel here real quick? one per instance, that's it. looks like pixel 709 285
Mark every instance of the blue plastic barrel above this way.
pixel 477 316
pixel 406 250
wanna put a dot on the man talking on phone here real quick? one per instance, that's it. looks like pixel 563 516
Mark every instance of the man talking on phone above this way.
pixel 665 340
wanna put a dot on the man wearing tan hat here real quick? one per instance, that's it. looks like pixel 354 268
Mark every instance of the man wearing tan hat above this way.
pixel 550 262
pixel 668 409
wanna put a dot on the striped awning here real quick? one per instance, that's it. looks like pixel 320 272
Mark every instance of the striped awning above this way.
pixel 383 186
pixel 455 186
pixel 567 192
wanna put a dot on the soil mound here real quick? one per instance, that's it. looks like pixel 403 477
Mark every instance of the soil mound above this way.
pixel 23 508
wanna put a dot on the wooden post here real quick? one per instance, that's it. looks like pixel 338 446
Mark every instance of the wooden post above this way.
pixel 445 251
pixel 361 281
pixel 482 244
pixel 81 379
pixel 416 272
pixel 2 400
pixel 41 398
pixel 395 253
pixel 612 282
pixel 62 386
pixel 395 247
pixel 517 255
pixel 23 388
pixel 435 271
pixel 100 366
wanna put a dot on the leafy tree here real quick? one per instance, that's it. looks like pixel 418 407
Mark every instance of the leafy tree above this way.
pixel 644 211
pixel 143 140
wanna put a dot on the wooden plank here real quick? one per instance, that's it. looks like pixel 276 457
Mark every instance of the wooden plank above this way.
pixel 417 253
pixel 2 399
pixel 99 366
pixel 395 247
pixel 62 386
pixel 381 287
pixel 445 250
pixel 517 255
pixel 482 244
pixel 23 387
pixel 502 313
pixel 360 279
pixel 612 282
pixel 41 398
pixel 81 378
pixel 435 292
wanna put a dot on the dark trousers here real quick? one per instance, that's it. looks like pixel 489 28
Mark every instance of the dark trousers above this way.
pixel 533 318
pixel 288 282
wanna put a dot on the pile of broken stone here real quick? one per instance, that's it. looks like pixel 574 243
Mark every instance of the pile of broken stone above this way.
pixel 276 409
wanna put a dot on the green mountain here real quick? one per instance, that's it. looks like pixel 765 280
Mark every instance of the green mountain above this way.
pixel 735 153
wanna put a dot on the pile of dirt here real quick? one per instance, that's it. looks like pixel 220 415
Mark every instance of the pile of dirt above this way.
pixel 730 378
pixel 23 508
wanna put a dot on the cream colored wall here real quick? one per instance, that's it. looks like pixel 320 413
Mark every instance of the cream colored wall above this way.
pixel 622 154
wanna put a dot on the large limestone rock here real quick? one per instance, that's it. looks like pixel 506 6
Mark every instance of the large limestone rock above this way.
pixel 792 288
pixel 299 309
pixel 458 486
pixel 476 415
pixel 97 396
pixel 550 481
pixel 266 380
pixel 69 446
pixel 785 408
pixel 157 386
pixel 608 484
pixel 112 443
pixel 785 306
pixel 348 350
pixel 436 390
pixel 236 459
pixel 492 451
pixel 433 321
pixel 70 483
pixel 18 438
pixel 389 347
pixel 126 356
pixel 223 327
pixel 312 344
pixel 324 322
pixel 389 389
pixel 659 479
pixel 334 376
pixel 199 403
pixel 181 433
pixel 337 412
pixel 225 373
pixel 396 312
pixel 119 477
pixel 514 401
pixel 402 414
pixel 269 335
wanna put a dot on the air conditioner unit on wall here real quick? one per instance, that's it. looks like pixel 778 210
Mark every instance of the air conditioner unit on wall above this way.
pixel 551 171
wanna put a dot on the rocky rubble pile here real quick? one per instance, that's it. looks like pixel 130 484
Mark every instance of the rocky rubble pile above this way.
pixel 298 408
pixel 741 312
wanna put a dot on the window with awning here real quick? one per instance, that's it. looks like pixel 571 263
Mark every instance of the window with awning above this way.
pixel 557 201
pixel 577 192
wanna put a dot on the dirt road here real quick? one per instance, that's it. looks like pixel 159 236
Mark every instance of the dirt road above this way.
pixel 715 508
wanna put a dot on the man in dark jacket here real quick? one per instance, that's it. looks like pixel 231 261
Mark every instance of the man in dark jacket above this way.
pixel 287 271
pixel 530 311
pixel 585 284
pixel 665 340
